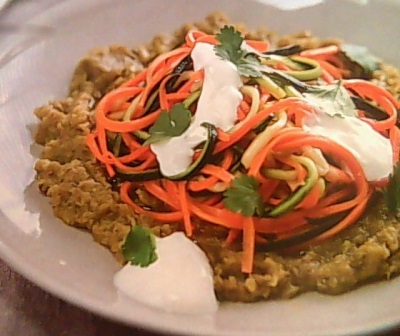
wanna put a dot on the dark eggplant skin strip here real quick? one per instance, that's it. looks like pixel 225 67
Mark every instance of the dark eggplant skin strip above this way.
pixel 369 109
pixel 262 126
pixel 372 111
pixel 185 64
pixel 285 80
pixel 205 157
pixel 155 174
pixel 320 226
pixel 361 104
pixel 286 51
pixel 147 175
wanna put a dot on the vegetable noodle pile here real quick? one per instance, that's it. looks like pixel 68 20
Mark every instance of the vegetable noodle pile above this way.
pixel 269 181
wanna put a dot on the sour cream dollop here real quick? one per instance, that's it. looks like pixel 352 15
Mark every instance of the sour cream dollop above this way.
pixel 218 103
pixel 372 150
pixel 180 281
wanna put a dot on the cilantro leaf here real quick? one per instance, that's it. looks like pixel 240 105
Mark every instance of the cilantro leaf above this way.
pixel 170 124
pixel 392 191
pixel 362 57
pixel 231 43
pixel 249 66
pixel 334 100
pixel 139 247
pixel 243 197
pixel 230 48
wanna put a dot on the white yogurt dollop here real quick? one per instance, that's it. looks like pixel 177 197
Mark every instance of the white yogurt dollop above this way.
pixel 218 103
pixel 180 281
pixel 372 150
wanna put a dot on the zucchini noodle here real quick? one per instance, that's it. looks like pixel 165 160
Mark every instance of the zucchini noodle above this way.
pixel 262 139
pixel 265 177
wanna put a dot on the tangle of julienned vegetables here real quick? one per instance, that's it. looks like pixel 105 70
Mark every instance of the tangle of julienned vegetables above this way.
pixel 311 186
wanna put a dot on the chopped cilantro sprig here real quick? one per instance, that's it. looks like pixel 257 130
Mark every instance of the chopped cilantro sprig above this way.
pixel 243 197
pixel 230 48
pixel 392 191
pixel 139 247
pixel 170 124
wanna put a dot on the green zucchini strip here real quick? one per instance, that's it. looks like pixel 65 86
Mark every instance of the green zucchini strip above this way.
pixel 191 98
pixel 273 60
pixel 271 86
pixel 262 139
pixel 204 157
pixel 126 117
pixel 143 176
pixel 143 135
pixel 293 200
pixel 312 73
pixel 280 174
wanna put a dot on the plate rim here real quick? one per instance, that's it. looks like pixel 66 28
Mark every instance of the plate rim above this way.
pixel 16 261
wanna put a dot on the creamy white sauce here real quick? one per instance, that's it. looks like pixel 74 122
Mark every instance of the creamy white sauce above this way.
pixel 179 281
pixel 371 149
pixel 218 103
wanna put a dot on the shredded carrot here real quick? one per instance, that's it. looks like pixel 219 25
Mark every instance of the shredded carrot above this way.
pixel 185 208
pixel 249 233
pixel 331 69
pixel 125 115
pixel 232 236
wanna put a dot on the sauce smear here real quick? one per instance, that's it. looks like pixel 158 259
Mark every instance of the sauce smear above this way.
pixel 180 281
pixel 218 103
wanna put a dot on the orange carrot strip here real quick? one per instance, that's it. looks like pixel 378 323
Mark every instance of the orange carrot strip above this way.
pixel 285 135
pixel 395 140
pixel 331 69
pixel 195 77
pixel 285 223
pixel 157 191
pixel 135 81
pixel 211 181
pixel 327 77
pixel 249 233
pixel 233 235
pixel 165 217
pixel 223 136
pixel 257 119
pixel 185 208
pixel 350 219
pixel 311 200
pixel 300 170
pixel 218 172
pixel 338 176
pixel 335 197
pixel 370 89
pixel 261 46
pixel 222 217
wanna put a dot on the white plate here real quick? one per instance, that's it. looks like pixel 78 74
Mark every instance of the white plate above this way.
pixel 67 262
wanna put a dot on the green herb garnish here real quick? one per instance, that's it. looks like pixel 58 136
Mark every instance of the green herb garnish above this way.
pixel 362 57
pixel 170 124
pixel 392 191
pixel 334 100
pixel 139 247
pixel 243 197
pixel 231 49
